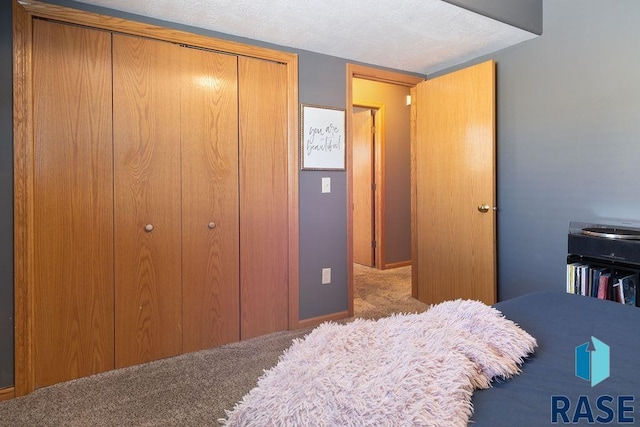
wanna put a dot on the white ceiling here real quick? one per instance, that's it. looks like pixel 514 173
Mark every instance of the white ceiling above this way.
pixel 421 36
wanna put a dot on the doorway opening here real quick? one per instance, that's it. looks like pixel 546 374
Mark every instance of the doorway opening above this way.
pixel 377 172
pixel 452 180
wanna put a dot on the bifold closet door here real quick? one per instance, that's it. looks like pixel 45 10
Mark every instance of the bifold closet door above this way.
pixel 73 202
pixel 264 222
pixel 210 246
pixel 147 210
pixel 176 163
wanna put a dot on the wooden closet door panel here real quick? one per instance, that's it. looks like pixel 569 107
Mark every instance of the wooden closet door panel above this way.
pixel 210 254
pixel 146 94
pixel 363 194
pixel 263 197
pixel 73 202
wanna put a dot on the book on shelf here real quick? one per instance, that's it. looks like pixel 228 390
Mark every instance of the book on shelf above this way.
pixel 603 285
pixel 583 273
pixel 596 272
pixel 603 282
pixel 604 265
pixel 618 295
pixel 629 286
pixel 579 279
pixel 571 277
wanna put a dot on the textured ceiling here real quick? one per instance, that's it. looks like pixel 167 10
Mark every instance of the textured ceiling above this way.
pixel 422 36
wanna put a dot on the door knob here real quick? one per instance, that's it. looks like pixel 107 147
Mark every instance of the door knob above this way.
pixel 148 228
pixel 484 208
pixel 211 225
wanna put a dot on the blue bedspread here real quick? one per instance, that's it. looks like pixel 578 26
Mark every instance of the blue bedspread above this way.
pixel 561 322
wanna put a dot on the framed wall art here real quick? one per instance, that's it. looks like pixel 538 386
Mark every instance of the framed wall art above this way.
pixel 323 138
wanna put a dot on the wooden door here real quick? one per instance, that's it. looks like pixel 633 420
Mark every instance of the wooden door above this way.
pixel 146 108
pixel 73 202
pixel 210 223
pixel 362 164
pixel 264 221
pixel 454 148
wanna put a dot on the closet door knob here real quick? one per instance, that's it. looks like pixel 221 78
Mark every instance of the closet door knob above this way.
pixel 211 225
pixel 148 228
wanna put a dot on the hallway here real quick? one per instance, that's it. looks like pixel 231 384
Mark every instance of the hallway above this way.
pixel 378 292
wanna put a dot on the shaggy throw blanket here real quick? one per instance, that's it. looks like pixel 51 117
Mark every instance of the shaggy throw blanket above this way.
pixel 403 370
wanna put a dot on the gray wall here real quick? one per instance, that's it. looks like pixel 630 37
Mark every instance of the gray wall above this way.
pixel 397 221
pixel 6 198
pixel 568 136
pixel 323 217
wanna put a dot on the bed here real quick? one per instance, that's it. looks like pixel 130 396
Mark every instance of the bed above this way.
pixel 459 363
pixel 560 322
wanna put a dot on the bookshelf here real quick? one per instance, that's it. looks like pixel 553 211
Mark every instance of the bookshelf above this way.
pixel 603 261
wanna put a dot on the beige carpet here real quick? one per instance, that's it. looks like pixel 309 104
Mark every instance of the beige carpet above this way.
pixel 193 389
pixel 378 293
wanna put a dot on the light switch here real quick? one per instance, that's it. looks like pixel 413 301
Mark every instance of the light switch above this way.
pixel 326 276
pixel 326 185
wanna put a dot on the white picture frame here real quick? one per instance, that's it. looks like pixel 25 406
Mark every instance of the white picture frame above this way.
pixel 322 138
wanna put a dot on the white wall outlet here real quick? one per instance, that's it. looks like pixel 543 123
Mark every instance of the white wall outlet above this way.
pixel 326 276
pixel 326 185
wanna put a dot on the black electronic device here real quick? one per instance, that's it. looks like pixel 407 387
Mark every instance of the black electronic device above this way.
pixel 612 243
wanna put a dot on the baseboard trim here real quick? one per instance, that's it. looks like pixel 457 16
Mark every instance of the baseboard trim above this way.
pixel 396 265
pixel 315 321
pixel 7 393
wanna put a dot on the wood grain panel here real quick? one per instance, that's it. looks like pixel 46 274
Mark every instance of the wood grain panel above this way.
pixel 24 98
pixel 263 197
pixel 291 65
pixel 362 165
pixel 146 96
pixel 455 162
pixel 210 256
pixel 7 393
pixel 415 237
pixel 24 381
pixel 73 208
pixel 379 177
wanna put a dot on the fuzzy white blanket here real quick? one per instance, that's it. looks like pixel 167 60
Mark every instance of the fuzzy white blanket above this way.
pixel 404 370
